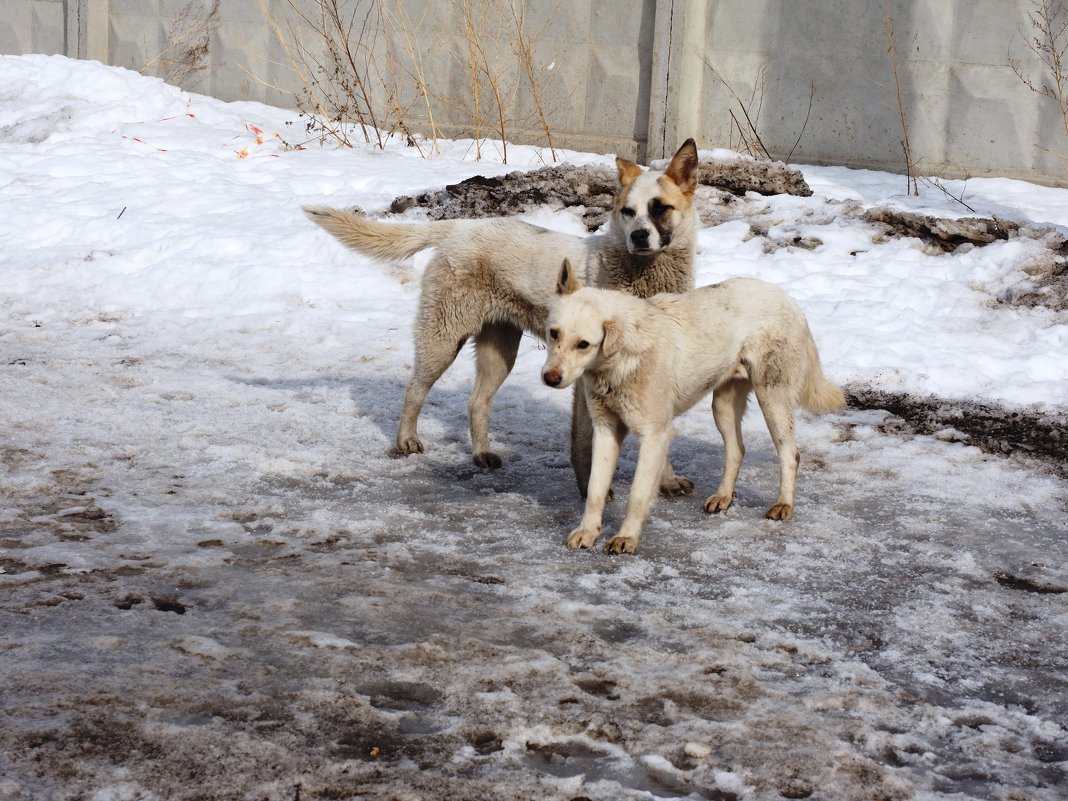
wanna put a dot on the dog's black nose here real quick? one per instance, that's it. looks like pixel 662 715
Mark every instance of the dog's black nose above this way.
pixel 640 237
pixel 552 378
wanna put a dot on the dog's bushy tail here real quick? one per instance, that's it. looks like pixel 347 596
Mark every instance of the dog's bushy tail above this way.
pixel 819 395
pixel 379 240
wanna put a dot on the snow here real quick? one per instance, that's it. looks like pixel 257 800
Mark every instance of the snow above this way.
pixel 218 583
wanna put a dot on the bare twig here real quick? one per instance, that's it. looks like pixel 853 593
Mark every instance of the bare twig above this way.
pixel 804 125
pixel 749 135
pixel 1049 43
pixel 185 50
pixel 910 164
pixel 471 32
pixel 403 28
pixel 361 63
pixel 524 48
pixel 941 187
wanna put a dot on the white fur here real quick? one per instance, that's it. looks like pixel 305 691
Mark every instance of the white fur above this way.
pixel 490 280
pixel 644 362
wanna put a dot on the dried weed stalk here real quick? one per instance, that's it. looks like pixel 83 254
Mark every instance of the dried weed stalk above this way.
pixel 186 44
pixel 748 134
pixel 406 32
pixel 523 46
pixel 363 69
pixel 906 144
pixel 1049 43
pixel 332 54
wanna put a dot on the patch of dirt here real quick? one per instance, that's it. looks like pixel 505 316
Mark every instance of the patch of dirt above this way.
pixel 1046 284
pixel 742 174
pixel 725 184
pixel 590 188
pixel 944 234
pixel 1025 584
pixel 992 428
pixel 520 192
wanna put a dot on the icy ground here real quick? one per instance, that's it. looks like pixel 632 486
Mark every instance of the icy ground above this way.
pixel 217 583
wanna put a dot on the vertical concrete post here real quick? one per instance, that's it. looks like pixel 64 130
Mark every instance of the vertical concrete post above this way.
pixel 678 74
pixel 87 29
pixel 659 85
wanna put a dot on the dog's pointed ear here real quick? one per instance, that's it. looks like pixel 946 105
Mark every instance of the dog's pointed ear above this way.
pixel 683 168
pixel 628 171
pixel 568 282
pixel 613 338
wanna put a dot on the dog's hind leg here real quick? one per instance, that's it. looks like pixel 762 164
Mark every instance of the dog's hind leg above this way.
pixel 496 346
pixel 671 484
pixel 728 408
pixel 433 355
pixel 581 438
pixel 441 329
pixel 777 404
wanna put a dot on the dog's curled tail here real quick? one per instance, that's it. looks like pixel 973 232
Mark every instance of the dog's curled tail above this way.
pixel 379 240
pixel 819 395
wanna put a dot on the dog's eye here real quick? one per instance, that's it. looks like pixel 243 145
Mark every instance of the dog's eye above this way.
pixel 583 345
pixel 658 207
pixel 553 334
pixel 626 211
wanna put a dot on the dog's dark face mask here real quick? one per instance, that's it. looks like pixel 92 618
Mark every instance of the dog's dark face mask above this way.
pixel 651 204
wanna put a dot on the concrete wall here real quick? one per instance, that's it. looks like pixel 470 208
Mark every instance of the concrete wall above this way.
pixel 638 76
pixel 33 26
pixel 967 112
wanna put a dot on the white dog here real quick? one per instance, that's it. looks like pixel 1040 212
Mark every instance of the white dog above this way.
pixel 647 361
pixel 490 280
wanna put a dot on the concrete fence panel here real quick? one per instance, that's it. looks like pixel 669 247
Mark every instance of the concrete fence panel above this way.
pixel 811 80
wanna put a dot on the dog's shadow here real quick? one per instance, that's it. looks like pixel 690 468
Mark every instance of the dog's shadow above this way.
pixel 530 432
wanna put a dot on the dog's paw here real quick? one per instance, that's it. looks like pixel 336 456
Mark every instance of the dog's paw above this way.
pixel 406 446
pixel 780 511
pixel 718 503
pixel 487 460
pixel 619 544
pixel 610 495
pixel 676 487
pixel 581 538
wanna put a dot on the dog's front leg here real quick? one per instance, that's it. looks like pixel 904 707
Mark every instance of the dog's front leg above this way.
pixel 581 438
pixel 608 435
pixel 651 454
pixel 672 484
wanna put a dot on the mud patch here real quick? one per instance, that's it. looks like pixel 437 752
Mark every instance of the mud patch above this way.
pixel 741 174
pixel 992 428
pixel 590 189
pixel 560 187
pixel 941 233
pixel 1026 584
pixel 1046 283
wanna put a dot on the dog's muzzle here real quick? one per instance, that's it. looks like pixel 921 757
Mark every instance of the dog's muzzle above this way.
pixel 639 238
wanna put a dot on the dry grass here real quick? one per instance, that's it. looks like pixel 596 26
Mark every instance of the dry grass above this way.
pixel 747 132
pixel 524 49
pixel 186 43
pixel 1048 42
pixel 360 66
pixel 906 143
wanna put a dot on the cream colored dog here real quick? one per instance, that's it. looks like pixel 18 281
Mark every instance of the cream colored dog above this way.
pixel 491 280
pixel 647 361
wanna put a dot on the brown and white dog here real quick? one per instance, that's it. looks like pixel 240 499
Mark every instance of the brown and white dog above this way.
pixel 645 361
pixel 493 279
